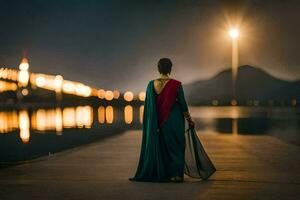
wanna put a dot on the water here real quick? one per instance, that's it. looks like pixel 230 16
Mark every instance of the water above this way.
pixel 29 133
pixel 280 122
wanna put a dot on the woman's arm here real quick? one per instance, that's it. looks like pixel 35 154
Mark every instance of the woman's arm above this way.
pixel 184 107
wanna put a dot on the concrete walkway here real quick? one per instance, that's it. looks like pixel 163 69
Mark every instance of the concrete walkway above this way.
pixel 249 167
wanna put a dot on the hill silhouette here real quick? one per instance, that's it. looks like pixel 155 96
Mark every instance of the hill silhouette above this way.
pixel 252 84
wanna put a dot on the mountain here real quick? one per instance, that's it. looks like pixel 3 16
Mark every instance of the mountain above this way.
pixel 252 84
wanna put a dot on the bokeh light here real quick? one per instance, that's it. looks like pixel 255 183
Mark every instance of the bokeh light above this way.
pixel 109 95
pixel 142 96
pixel 128 96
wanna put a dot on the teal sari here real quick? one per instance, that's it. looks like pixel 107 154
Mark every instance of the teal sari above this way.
pixel 163 150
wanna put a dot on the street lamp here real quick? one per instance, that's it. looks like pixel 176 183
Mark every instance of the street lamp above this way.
pixel 234 34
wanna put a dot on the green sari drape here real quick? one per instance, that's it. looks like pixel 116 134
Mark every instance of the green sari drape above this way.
pixel 163 150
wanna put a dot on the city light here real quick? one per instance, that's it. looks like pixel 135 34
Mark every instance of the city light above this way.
pixel 55 83
pixel 101 94
pixel 128 96
pixel 68 87
pixel 142 96
pixel 24 65
pixel 116 94
pixel 82 90
pixel 25 92
pixel 23 77
pixel 40 81
pixel 109 95
pixel 58 81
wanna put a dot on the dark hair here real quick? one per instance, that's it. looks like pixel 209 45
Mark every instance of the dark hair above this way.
pixel 164 66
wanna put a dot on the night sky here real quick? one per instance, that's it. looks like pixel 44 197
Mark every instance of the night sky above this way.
pixel 117 43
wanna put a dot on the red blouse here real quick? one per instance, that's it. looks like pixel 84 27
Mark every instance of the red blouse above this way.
pixel 165 100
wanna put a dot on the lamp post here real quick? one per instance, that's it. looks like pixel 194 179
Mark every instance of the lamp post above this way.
pixel 234 34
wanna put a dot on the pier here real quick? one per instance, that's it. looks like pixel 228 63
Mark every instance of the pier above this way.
pixel 248 167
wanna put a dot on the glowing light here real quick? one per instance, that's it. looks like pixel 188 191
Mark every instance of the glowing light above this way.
pixel 128 96
pixel 8 121
pixel 24 126
pixel 141 113
pixel 25 92
pixel 58 81
pixel 142 96
pixel 6 86
pixel 128 114
pixel 23 78
pixel 234 33
pixel 83 90
pixel 109 114
pixel 4 73
pixel 41 120
pixel 101 94
pixel 116 94
pixel 234 126
pixel 69 120
pixel 58 120
pixel 68 87
pixel 234 113
pixel 101 115
pixel 84 116
pixel 24 66
pixel 109 95
pixel 40 81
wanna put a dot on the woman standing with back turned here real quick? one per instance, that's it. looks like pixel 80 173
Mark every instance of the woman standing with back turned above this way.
pixel 164 156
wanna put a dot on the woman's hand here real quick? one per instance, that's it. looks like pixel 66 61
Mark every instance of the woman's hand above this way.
pixel 189 119
pixel 191 123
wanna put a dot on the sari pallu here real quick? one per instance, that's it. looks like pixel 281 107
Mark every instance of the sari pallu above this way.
pixel 166 149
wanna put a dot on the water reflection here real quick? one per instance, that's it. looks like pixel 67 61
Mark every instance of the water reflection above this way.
pixel 231 120
pixel 84 116
pixel 141 113
pixel 69 117
pixel 128 114
pixel 24 125
pixel 44 130
pixel 109 114
pixel 8 121
pixel 234 126
pixel 43 120
pixel 105 114
pixel 101 114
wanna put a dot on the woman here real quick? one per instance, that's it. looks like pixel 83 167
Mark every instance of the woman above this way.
pixel 163 153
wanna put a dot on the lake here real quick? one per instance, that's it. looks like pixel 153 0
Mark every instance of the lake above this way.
pixel 26 134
